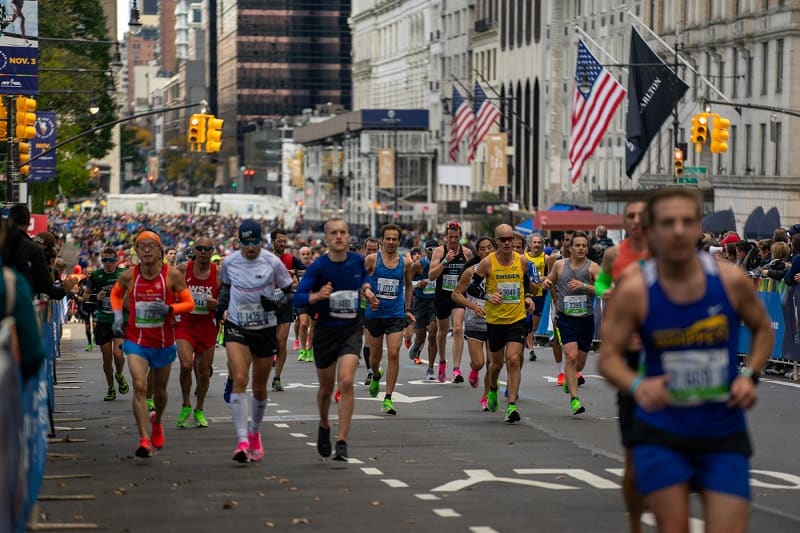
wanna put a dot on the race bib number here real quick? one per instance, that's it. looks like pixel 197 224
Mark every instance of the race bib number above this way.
pixel 252 316
pixel 430 288
pixel 449 282
pixel 105 305
pixel 510 292
pixel 146 316
pixel 388 288
pixel 576 305
pixel 200 305
pixel 344 304
pixel 697 376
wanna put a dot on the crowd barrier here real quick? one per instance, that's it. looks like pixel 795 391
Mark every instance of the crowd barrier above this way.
pixel 26 421
pixel 781 301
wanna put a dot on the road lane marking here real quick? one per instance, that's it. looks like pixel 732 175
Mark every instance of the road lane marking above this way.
pixel 282 411
pixel 482 529
pixel 447 513
pixel 395 483
pixel 479 476
pixel 354 461
pixel 399 397
pixel 593 480
pixel 427 497
pixel 371 471
pixel 695 524
pixel 784 383
pixel 299 435
pixel 281 425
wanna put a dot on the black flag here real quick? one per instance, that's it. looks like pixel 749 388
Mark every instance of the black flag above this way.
pixel 652 93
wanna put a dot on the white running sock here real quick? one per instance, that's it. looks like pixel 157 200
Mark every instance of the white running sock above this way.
pixel 259 406
pixel 239 411
pixel 560 367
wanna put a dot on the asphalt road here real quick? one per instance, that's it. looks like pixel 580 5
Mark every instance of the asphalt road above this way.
pixel 439 465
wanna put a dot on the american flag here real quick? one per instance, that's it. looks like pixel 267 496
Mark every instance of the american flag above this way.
pixel 461 124
pixel 592 110
pixel 485 115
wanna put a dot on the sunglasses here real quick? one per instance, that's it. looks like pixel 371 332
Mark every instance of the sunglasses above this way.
pixel 203 248
pixel 251 242
pixel 108 260
pixel 505 239
pixel 430 249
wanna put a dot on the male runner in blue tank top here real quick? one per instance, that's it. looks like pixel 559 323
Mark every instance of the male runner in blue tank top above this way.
pixel 689 428
pixel 391 283
pixel 423 308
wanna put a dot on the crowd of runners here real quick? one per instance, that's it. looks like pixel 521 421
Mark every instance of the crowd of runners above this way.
pixel 348 298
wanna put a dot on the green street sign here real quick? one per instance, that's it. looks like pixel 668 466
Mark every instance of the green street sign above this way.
pixel 687 181
pixel 694 170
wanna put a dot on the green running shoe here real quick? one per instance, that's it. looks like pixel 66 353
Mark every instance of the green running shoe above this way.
pixel 388 407
pixel 122 385
pixel 200 419
pixel 565 387
pixel 183 418
pixel 310 355
pixel 375 384
pixel 151 404
pixel 512 415
pixel 301 356
pixel 577 406
pixel 491 400
pixel 111 395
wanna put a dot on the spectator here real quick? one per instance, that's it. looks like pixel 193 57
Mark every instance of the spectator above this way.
pixel 765 251
pixel 793 274
pixel 780 235
pixel 776 269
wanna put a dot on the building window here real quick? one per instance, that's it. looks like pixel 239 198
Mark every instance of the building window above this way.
pixel 511 21
pixel 537 20
pixel 762 164
pixel 779 66
pixel 528 21
pixel 520 21
pixel 777 140
pixel 748 143
pixel 735 78
pixel 721 83
pixel 732 151
pixel 503 24
pixel 764 66
pixel 748 90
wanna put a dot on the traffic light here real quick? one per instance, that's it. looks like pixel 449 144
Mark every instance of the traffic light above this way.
pixel 3 121
pixel 197 129
pixel 249 173
pixel 677 162
pixel 25 118
pixel 699 131
pixel 719 134
pixel 24 150
pixel 234 182
pixel 214 134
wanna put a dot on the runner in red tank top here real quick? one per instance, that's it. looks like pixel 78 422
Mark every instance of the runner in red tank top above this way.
pixel 156 292
pixel 196 332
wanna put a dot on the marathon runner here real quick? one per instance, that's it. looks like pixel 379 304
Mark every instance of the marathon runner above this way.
pixel 538 259
pixel 371 246
pixel 285 315
pixel 304 325
pixel 424 310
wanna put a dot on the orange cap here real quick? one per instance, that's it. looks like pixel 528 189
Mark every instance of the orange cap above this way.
pixel 147 234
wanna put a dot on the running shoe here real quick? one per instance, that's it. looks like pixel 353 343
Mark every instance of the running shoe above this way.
pixel 441 376
pixel 532 356
pixel 122 385
pixel 324 441
pixel 183 418
pixel 388 407
pixel 512 415
pixel 473 378
pixel 301 356
pixel 310 355
pixel 457 376
pixel 151 404
pixel 491 400
pixel 408 343
pixel 111 395
pixel 577 406
pixel 276 385
pixel 369 378
pixel 337 396
pixel 200 420
pixel 88 348
pixel 413 353
pixel 560 379
pixel 417 361
pixel 144 450
pixel 484 405
pixel 157 435
pixel 226 394
pixel 242 453
pixel 565 387
pixel 581 379
pixel 296 345
pixel 375 384
pixel 254 444
pixel 429 375
pixel 341 451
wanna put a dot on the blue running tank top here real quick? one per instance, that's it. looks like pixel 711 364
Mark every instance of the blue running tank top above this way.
pixel 695 344
pixel 388 284
pixel 429 291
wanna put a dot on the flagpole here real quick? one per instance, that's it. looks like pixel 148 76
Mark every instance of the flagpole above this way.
pixel 686 63
pixel 597 45
pixel 503 101
pixel 458 81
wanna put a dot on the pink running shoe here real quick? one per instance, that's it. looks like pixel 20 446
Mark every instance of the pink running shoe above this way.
pixel 256 449
pixel 442 374
pixel 484 403
pixel 242 453
pixel 473 378
pixel 296 345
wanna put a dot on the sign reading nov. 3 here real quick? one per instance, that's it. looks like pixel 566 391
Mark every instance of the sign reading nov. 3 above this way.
pixel 19 47
pixel 44 168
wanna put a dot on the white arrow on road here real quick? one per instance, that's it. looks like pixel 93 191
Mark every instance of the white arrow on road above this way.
pixel 399 397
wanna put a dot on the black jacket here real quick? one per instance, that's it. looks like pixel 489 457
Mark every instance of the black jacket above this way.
pixel 27 258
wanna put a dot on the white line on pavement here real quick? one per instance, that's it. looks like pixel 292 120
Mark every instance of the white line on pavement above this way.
pixel 282 411
pixel 371 471
pixel 354 461
pixel 695 524
pixel 395 483
pixel 784 383
pixel 281 425
pixel 427 497
pixel 299 435
pixel 447 513
pixel 482 529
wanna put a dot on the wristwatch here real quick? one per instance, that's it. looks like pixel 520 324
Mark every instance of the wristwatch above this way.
pixel 408 310
pixel 750 373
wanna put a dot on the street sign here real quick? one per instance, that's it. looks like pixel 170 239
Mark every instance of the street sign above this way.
pixel 694 170
pixel 687 181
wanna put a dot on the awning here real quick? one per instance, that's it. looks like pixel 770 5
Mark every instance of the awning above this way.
pixel 564 207
pixel 770 222
pixel 526 227
pixel 754 221
pixel 719 221
pixel 577 220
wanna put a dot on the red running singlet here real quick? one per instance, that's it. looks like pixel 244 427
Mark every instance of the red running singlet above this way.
pixel 146 328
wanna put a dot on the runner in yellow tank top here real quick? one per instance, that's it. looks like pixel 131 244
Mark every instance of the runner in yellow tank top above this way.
pixel 506 297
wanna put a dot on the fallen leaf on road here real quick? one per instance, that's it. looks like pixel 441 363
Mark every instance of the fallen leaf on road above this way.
pixel 316 498
pixel 292 488
pixel 372 459
pixel 270 478
pixel 261 494
pixel 412 461
pixel 230 504
pixel 298 521
pixel 122 491
pixel 376 503
pixel 269 524
pixel 78 518
pixel 284 480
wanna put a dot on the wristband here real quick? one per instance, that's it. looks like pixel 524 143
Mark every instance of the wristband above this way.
pixel 635 385
pixel 584 286
pixel 408 310
pixel 750 373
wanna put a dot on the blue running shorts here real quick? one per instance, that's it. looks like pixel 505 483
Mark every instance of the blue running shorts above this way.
pixel 155 357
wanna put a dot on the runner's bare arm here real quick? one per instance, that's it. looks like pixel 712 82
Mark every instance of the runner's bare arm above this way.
pixel 408 274
pixel 549 282
pixel 460 291
pixel 369 263
pixel 620 321
pixel 436 267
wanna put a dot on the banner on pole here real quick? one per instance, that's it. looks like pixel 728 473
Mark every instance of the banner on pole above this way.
pixel 386 168
pixel 496 160
pixel 44 168
pixel 19 48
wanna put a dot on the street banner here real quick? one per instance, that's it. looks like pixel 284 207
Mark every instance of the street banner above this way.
pixel 296 171
pixel 386 168
pixel 653 90
pixel 496 170
pixel 19 47
pixel 44 168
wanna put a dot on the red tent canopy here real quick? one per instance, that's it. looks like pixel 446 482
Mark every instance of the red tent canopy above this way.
pixel 577 219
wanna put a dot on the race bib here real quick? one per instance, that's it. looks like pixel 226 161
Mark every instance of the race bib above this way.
pixel 252 316
pixel 449 282
pixel 430 288
pixel 146 316
pixel 105 305
pixel 344 304
pixel 388 288
pixel 576 305
pixel 510 292
pixel 697 376
pixel 200 305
